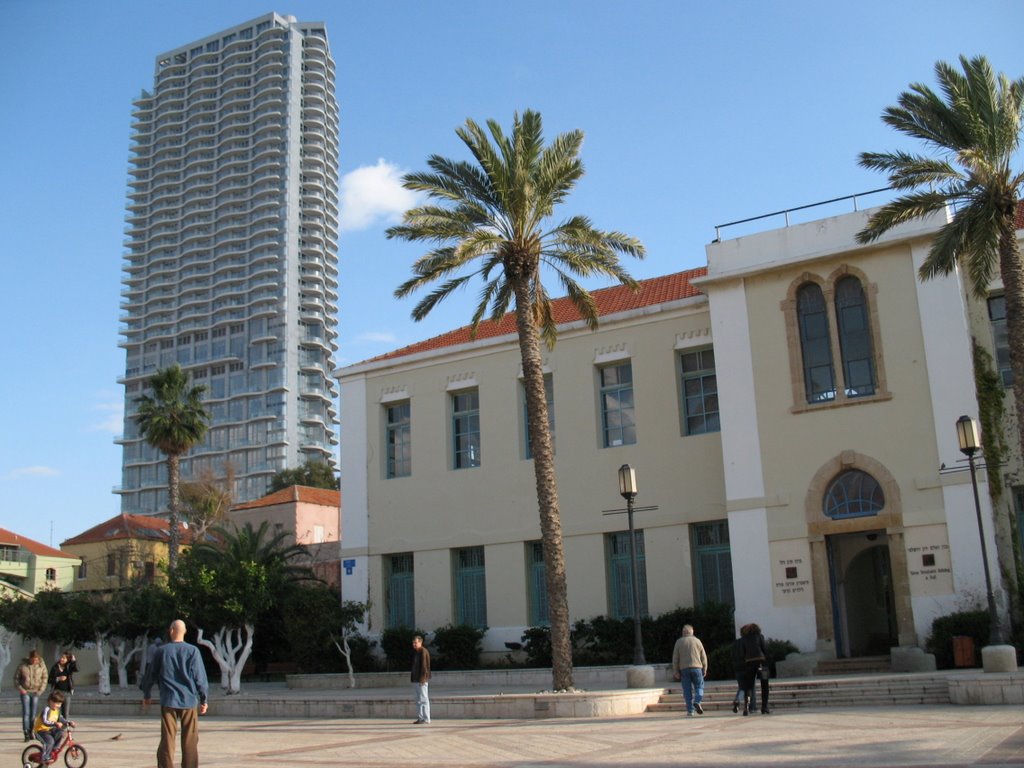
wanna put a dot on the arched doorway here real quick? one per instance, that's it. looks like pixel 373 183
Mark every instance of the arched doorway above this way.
pixel 859 561
pixel 863 602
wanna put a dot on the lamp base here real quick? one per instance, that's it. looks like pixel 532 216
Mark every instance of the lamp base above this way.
pixel 640 676
pixel 999 658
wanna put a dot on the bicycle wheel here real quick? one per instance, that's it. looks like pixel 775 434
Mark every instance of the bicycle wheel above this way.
pixel 32 755
pixel 75 756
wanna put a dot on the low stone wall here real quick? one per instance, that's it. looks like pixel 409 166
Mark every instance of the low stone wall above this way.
pixel 987 688
pixel 492 679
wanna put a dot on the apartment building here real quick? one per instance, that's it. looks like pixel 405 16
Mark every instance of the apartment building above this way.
pixel 231 265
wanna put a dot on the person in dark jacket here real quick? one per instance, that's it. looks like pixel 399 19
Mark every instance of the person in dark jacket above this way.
pixel 755 656
pixel 420 676
pixel 62 679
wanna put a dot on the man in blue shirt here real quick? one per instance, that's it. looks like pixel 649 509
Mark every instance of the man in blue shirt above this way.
pixel 177 670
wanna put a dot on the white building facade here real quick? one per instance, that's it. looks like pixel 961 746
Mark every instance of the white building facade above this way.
pixel 231 267
pixel 787 410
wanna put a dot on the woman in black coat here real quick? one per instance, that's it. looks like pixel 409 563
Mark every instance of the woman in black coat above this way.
pixel 755 657
pixel 61 677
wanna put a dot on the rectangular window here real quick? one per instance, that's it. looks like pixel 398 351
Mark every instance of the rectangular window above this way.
pixel 401 606
pixel 470 586
pixel 536 585
pixel 466 428
pixel 150 571
pixel 83 568
pixel 549 394
pixel 618 422
pixel 399 439
pixel 700 392
pixel 1000 338
pixel 620 574
pixel 111 565
pixel 712 562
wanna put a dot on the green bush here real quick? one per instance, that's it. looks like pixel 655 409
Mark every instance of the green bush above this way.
pixel 778 650
pixel 458 647
pixel 537 646
pixel 973 624
pixel 397 646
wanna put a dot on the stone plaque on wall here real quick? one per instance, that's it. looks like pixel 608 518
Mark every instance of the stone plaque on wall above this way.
pixel 791 572
pixel 929 564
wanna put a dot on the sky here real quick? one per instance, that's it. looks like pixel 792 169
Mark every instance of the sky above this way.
pixel 695 114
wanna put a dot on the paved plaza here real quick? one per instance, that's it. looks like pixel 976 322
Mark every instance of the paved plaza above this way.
pixel 902 736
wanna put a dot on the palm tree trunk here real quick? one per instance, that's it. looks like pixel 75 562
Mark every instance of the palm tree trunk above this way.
pixel 173 542
pixel 1013 287
pixel 547 491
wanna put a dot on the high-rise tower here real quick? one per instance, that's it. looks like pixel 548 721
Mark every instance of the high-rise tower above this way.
pixel 231 265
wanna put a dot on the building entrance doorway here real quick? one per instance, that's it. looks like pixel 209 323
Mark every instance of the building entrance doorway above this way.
pixel 863 603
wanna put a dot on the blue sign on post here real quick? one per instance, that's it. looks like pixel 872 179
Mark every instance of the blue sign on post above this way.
pixel 349 566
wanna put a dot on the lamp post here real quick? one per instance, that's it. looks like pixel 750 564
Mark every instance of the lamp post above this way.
pixel 628 490
pixel 967 435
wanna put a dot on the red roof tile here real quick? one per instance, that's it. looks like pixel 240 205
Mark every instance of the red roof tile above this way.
pixel 126 526
pixel 10 538
pixel 610 301
pixel 325 497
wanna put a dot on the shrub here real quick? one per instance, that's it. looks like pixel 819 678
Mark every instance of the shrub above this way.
pixel 778 650
pixel 973 624
pixel 458 647
pixel 537 646
pixel 397 646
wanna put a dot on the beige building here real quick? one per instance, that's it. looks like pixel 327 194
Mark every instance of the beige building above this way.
pixel 788 410
pixel 122 550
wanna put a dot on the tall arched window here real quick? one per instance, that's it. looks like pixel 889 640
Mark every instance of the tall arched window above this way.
pixel 815 345
pixel 854 338
pixel 853 493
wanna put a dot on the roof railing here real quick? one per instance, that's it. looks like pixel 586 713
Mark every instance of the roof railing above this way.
pixel 787 211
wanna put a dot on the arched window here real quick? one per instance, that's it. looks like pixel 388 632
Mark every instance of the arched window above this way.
pixel 854 338
pixel 853 493
pixel 819 377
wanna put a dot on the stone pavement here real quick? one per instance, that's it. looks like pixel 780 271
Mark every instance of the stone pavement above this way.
pixel 900 736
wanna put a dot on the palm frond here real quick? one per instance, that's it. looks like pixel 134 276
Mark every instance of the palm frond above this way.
pixel 971 240
pixel 903 209
pixel 907 171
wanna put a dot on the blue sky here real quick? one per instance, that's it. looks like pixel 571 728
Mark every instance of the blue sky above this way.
pixel 695 114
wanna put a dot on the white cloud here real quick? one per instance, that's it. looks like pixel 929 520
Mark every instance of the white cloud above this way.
pixel 377 337
pixel 373 194
pixel 37 471
pixel 112 420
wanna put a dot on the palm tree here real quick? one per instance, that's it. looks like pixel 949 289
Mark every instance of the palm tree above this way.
pixel 974 127
pixel 172 419
pixel 492 222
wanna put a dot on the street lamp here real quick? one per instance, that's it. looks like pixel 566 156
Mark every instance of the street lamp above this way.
pixel 628 491
pixel 967 435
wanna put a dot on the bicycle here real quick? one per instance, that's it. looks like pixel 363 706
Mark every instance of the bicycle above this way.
pixel 74 753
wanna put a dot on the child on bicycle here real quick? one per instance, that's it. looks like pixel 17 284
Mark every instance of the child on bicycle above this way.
pixel 50 724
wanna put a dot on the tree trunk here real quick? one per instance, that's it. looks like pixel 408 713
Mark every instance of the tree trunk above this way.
pixel 103 656
pixel 173 542
pixel 230 651
pixel 122 654
pixel 547 490
pixel 6 639
pixel 1012 274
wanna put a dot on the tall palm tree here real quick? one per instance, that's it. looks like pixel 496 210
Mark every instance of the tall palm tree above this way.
pixel 172 419
pixel 974 130
pixel 492 221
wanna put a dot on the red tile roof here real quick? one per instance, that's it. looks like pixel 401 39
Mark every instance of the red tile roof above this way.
pixel 325 497
pixel 10 538
pixel 126 526
pixel 610 301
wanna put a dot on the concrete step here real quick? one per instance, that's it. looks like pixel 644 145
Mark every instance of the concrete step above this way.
pixel 859 665
pixel 853 691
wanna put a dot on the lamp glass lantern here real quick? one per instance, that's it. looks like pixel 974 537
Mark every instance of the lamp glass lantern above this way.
pixel 967 435
pixel 627 482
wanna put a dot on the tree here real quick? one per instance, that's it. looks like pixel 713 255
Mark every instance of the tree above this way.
pixel 207 501
pixel 172 419
pixel 973 128
pixel 228 584
pixel 491 219
pixel 12 613
pixel 315 474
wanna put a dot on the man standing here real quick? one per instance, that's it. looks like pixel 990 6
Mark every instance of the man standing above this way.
pixel 30 680
pixel 690 663
pixel 420 676
pixel 177 669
